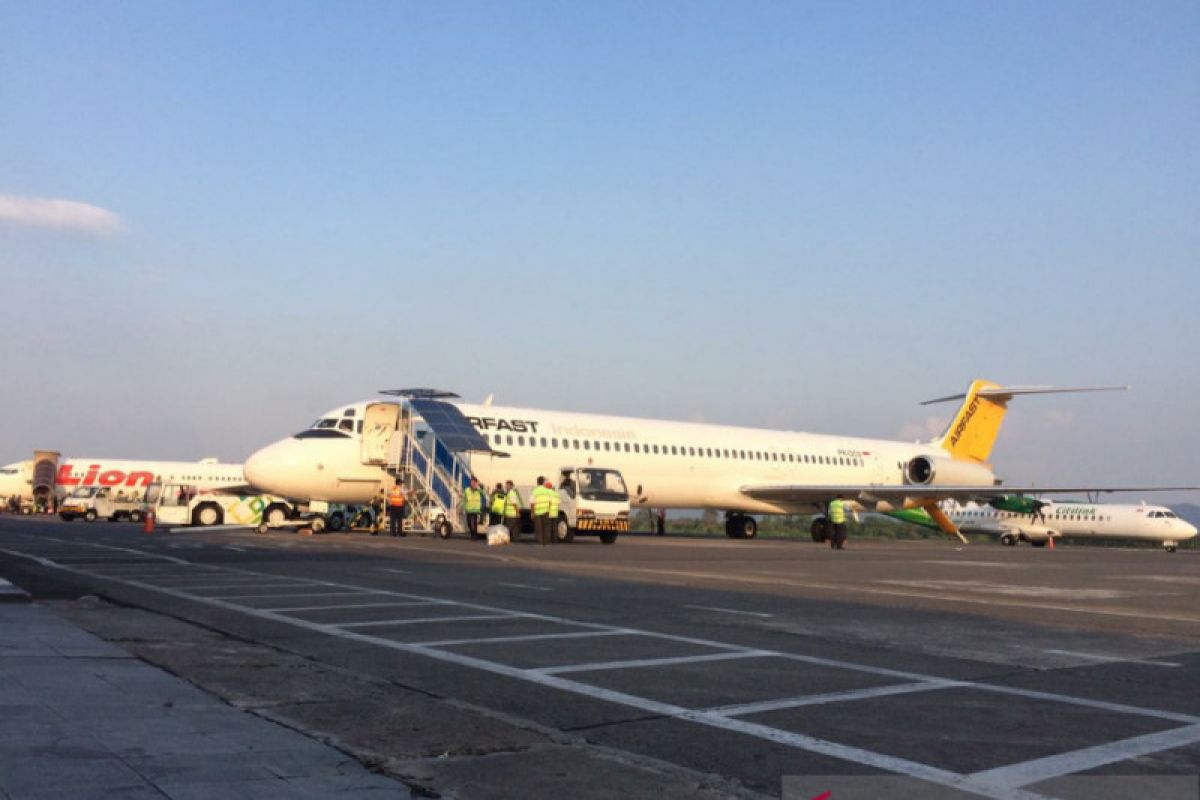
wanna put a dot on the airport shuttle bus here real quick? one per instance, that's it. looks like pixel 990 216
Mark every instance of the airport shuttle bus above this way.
pixel 666 464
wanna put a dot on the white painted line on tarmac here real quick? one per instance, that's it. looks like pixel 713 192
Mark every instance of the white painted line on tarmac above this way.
pixel 533 637
pixel 424 620
pixel 244 585
pixel 652 662
pixel 356 605
pixel 1040 769
pixel 234 548
pixel 1113 659
pixel 269 596
pixel 397 571
pixel 744 709
pixel 527 586
pixel 759 614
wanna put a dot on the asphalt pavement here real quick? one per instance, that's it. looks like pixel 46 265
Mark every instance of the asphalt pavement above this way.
pixel 667 666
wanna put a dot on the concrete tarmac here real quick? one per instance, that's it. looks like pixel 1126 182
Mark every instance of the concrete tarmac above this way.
pixel 667 666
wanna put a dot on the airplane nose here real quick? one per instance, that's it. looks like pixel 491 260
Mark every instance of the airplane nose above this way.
pixel 274 469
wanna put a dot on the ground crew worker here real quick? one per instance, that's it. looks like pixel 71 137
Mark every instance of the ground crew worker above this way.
pixel 512 510
pixel 539 504
pixel 496 510
pixel 396 507
pixel 552 517
pixel 837 519
pixel 473 505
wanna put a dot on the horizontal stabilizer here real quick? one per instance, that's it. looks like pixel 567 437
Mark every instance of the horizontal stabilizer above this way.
pixel 1005 393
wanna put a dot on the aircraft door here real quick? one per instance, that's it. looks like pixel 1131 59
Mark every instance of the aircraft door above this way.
pixel 379 424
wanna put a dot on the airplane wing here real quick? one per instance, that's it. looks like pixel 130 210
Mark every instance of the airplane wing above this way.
pixel 805 494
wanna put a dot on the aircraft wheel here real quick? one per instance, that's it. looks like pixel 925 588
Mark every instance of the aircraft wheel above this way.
pixel 820 530
pixel 444 529
pixel 1170 547
pixel 748 528
pixel 733 526
pixel 608 537
pixel 1008 540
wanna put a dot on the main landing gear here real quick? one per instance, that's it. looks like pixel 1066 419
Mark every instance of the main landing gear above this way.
pixel 741 526
pixel 821 530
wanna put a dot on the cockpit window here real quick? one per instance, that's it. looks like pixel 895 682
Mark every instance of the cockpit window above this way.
pixel 321 433
pixel 328 422
pixel 346 425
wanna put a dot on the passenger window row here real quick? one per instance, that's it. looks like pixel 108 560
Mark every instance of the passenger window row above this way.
pixel 688 451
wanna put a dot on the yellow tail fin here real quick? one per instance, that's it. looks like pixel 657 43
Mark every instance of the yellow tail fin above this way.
pixel 973 430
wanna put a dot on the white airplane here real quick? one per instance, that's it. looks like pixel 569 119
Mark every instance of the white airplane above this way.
pixel 1025 519
pixel 25 479
pixel 668 464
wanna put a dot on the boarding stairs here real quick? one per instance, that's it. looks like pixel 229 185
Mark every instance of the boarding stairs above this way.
pixel 427 454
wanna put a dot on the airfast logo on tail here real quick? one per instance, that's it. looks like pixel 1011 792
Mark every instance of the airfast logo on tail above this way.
pixel 973 431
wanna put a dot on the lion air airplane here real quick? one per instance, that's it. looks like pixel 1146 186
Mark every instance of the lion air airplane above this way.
pixel 129 474
pixel 1024 519
pixel 668 464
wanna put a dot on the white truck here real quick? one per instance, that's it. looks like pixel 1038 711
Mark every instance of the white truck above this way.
pixel 592 500
pixel 181 504
pixel 101 502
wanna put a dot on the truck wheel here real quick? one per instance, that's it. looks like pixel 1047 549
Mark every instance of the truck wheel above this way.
pixel 336 521
pixel 206 515
pixel 318 524
pixel 563 532
pixel 275 514
pixel 90 515
pixel 608 537
pixel 135 516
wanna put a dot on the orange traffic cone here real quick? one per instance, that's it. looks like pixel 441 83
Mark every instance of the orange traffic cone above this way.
pixel 1050 543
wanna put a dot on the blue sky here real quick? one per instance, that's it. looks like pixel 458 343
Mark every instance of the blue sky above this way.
pixel 798 215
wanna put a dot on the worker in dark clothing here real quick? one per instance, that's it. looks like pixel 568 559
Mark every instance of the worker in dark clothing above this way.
pixel 837 519
pixel 473 504
pixel 397 505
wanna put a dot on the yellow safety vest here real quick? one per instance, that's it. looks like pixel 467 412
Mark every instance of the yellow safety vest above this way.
pixel 512 504
pixel 554 502
pixel 473 500
pixel 498 503
pixel 837 512
pixel 540 500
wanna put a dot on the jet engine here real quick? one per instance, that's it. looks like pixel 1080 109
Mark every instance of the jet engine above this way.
pixel 943 471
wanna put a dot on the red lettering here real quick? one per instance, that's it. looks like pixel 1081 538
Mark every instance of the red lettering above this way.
pixel 112 478
pixel 90 478
pixel 139 479
pixel 64 476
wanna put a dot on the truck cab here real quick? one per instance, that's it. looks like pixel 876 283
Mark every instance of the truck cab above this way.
pixel 592 500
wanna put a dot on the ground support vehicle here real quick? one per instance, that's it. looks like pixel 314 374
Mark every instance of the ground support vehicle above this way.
pixel 176 504
pixel 592 500
pixel 101 502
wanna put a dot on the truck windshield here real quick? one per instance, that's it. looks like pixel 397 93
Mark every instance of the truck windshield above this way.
pixel 84 491
pixel 602 484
